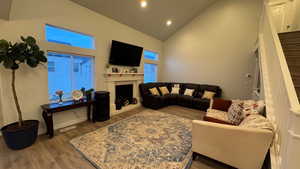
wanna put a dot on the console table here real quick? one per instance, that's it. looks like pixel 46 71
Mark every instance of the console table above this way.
pixel 50 109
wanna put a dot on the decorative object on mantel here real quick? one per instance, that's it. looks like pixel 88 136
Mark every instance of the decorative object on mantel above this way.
pixel 115 70
pixel 133 70
pixel 60 94
pixel 23 133
pixel 125 70
pixel 77 95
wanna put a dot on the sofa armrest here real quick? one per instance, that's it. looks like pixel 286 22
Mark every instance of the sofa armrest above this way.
pixel 237 146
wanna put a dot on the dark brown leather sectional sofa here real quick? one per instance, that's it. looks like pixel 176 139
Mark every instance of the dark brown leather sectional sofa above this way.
pixel 195 101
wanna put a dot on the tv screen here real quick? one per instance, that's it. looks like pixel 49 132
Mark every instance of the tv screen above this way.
pixel 124 54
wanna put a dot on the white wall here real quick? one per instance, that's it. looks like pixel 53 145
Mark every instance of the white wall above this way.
pixel 28 18
pixel 216 48
pixel 2 22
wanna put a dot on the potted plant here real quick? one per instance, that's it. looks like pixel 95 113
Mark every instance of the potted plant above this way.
pixel 23 133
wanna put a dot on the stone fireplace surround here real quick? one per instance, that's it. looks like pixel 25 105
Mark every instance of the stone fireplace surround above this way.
pixel 114 79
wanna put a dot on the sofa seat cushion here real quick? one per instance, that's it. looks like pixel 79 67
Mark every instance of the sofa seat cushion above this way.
pixel 185 100
pixel 217 114
pixel 171 98
pixel 201 104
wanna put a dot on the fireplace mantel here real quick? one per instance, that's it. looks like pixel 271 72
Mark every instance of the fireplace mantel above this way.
pixel 114 79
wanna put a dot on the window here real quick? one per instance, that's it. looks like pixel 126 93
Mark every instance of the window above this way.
pixel 67 37
pixel 150 71
pixel 150 66
pixel 68 72
pixel 150 55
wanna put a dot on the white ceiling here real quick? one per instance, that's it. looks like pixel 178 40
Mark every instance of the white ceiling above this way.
pixel 5 9
pixel 150 20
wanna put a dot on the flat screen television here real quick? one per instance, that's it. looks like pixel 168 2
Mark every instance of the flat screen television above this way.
pixel 124 54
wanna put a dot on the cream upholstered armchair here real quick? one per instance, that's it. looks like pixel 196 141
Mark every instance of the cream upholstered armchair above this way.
pixel 240 147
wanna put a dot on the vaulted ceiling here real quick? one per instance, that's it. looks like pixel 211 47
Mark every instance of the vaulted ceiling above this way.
pixel 152 19
pixel 5 9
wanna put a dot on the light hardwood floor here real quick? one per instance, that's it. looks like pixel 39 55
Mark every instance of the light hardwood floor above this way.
pixel 57 153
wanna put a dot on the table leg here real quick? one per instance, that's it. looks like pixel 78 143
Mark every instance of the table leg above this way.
pixel 89 112
pixel 49 123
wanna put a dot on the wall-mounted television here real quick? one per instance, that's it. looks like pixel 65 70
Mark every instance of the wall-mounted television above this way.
pixel 124 54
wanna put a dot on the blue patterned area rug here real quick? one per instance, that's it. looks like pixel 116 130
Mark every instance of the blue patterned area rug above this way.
pixel 148 140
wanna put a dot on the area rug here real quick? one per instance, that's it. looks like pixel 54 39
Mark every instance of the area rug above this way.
pixel 148 140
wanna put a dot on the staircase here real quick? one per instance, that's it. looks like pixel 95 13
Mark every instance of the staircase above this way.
pixel 290 42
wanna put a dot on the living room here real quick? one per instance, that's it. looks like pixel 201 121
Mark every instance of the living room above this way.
pixel 205 49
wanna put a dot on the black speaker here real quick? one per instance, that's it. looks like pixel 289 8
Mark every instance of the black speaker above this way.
pixel 101 106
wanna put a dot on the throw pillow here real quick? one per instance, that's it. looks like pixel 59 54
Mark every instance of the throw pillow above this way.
pixel 175 90
pixel 235 113
pixel 221 104
pixel 176 86
pixel 164 90
pixel 154 91
pixel 208 95
pixel 189 92
pixel 253 107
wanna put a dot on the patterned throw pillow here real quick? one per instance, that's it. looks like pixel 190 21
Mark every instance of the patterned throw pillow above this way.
pixel 164 90
pixel 208 95
pixel 252 106
pixel 235 113
pixel 175 90
pixel 154 91
pixel 189 92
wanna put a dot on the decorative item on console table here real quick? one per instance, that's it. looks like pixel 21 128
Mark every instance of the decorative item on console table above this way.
pixel 23 133
pixel 60 94
pixel 88 93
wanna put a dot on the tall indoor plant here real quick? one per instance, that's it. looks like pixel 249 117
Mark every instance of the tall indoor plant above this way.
pixel 22 133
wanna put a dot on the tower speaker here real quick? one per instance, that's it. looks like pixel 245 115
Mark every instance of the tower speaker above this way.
pixel 101 106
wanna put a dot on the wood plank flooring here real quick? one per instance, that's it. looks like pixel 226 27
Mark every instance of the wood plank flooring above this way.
pixel 57 153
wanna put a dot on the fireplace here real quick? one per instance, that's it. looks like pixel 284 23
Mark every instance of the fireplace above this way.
pixel 124 95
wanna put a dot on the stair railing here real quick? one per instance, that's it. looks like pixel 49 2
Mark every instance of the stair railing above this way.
pixel 282 103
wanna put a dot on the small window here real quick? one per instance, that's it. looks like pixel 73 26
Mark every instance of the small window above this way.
pixel 71 72
pixel 67 37
pixel 150 73
pixel 150 55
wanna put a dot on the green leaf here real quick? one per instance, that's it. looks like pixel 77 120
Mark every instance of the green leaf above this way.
pixel 8 63
pixel 26 51
pixel 4 45
pixel 30 41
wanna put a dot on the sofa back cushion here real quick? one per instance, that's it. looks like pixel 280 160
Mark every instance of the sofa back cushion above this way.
pixel 211 88
pixel 144 88
pixel 185 86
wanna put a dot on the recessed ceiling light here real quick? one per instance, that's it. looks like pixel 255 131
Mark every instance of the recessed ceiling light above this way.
pixel 144 4
pixel 169 23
